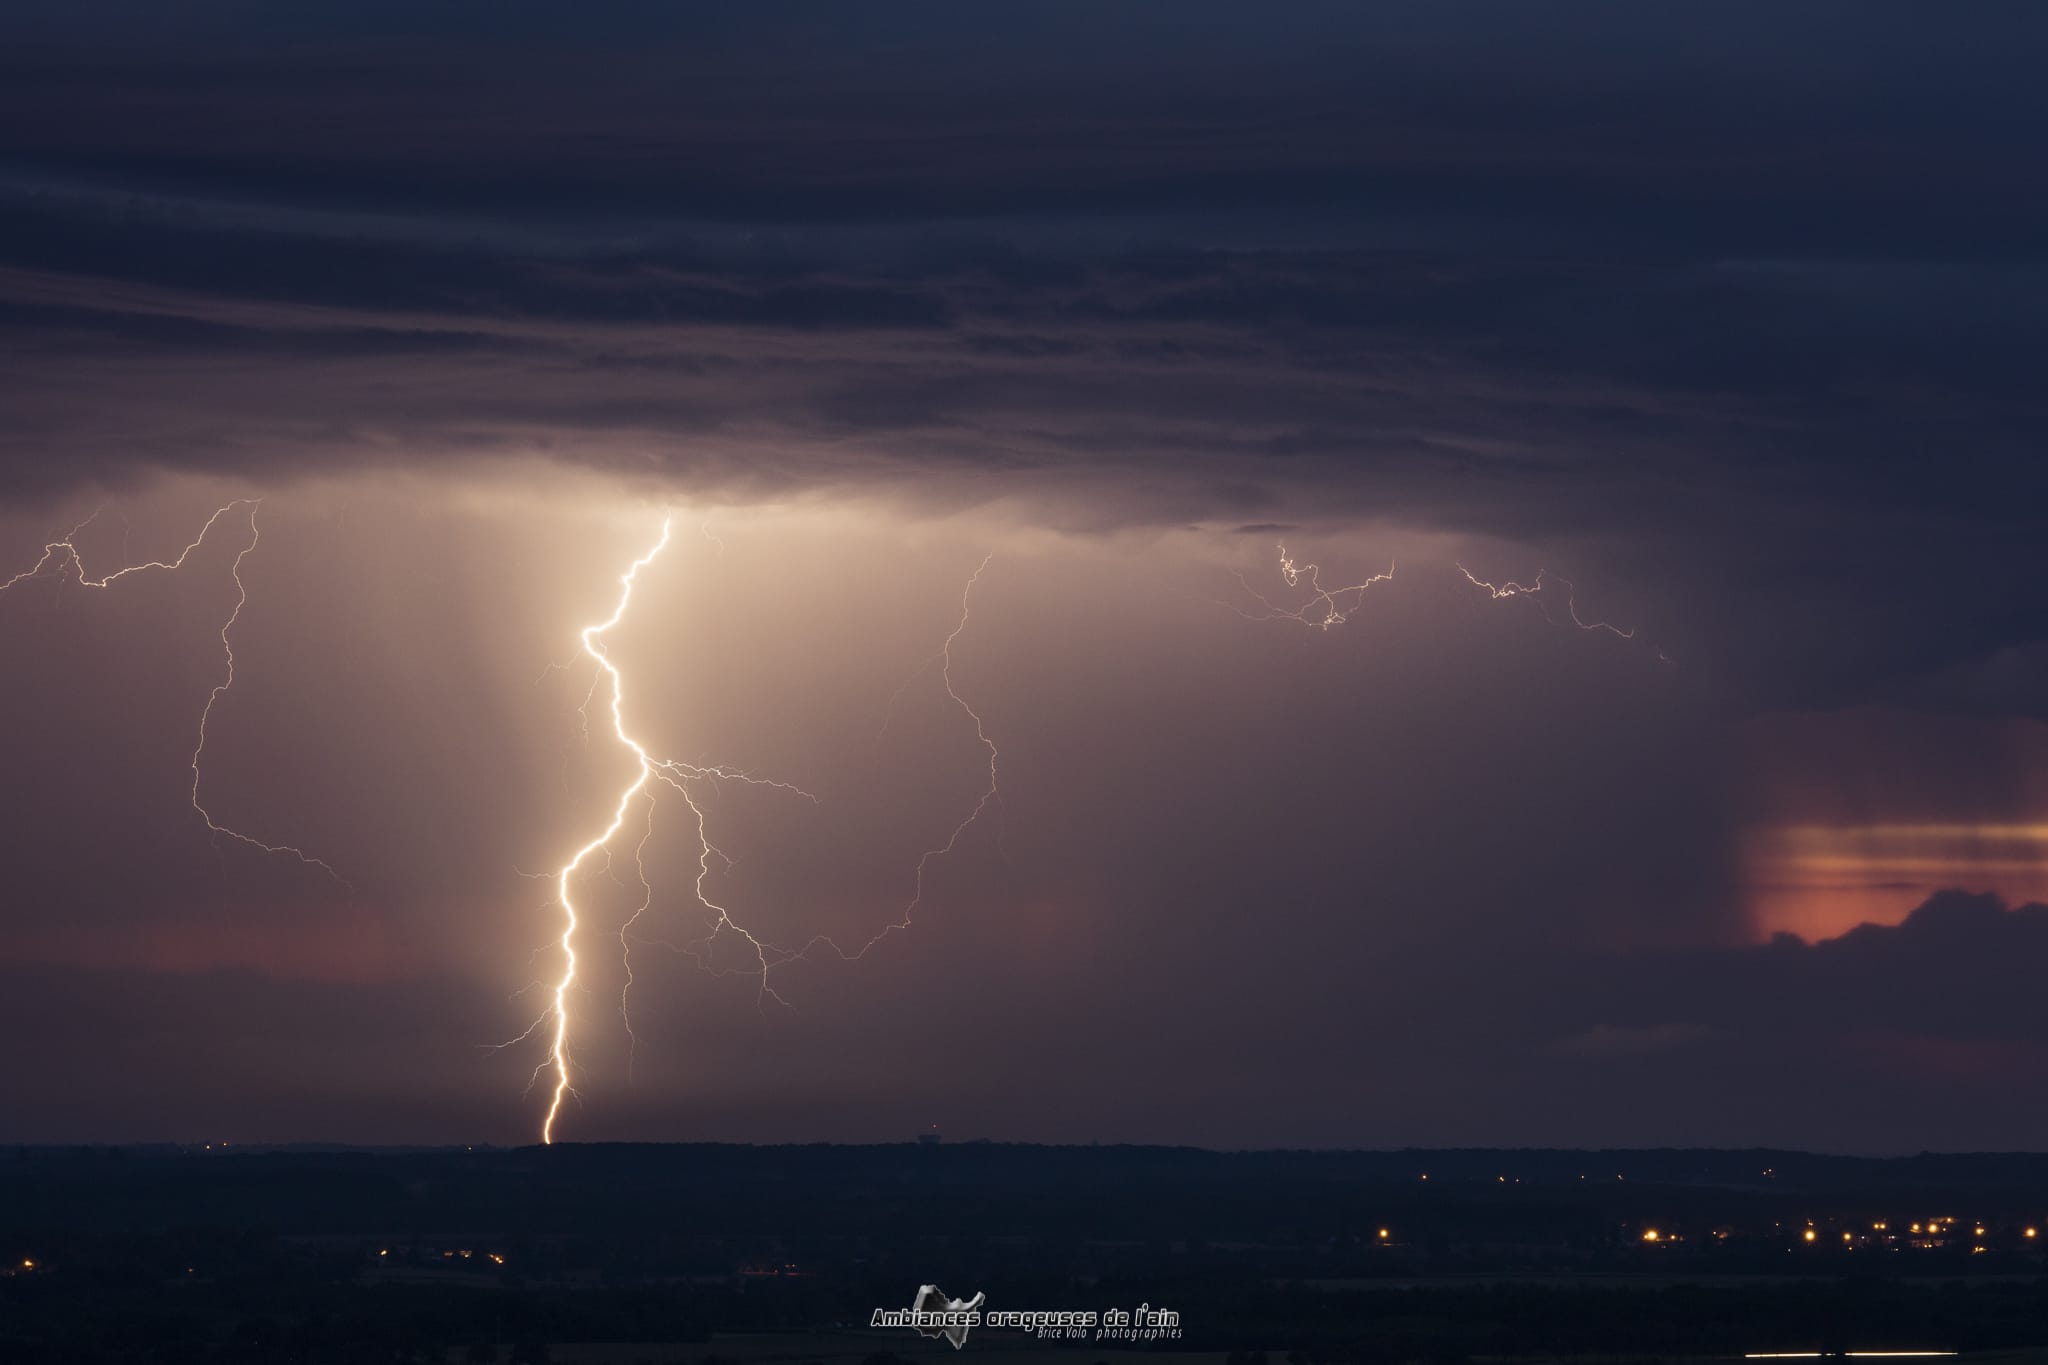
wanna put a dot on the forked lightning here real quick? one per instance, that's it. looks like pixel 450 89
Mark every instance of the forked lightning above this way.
pixel 650 769
pixel 64 554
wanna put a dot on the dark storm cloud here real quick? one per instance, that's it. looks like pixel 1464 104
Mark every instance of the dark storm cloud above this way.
pixel 1735 304
pixel 1736 123
pixel 1886 1037
pixel 1960 962
pixel 102 331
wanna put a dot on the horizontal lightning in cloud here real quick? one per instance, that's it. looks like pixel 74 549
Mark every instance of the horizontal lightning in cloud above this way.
pixel 1571 604
pixel 64 550
pixel 1327 607
pixel 1323 609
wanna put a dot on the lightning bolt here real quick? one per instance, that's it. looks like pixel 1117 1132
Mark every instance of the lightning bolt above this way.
pixel 558 1053
pixel 989 793
pixel 1322 600
pixel 1323 610
pixel 219 690
pixel 648 770
pixel 652 772
pixel 64 551
pixel 1571 604
pixel 1498 591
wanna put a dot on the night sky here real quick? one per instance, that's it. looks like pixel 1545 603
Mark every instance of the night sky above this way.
pixel 1728 320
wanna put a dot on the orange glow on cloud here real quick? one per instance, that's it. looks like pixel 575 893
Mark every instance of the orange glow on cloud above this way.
pixel 1818 881
pixel 1858 817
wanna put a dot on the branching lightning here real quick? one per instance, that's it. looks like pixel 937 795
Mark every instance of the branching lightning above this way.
pixel 65 553
pixel 651 773
pixel 65 549
pixel 1322 599
pixel 559 1052
pixel 220 688
pixel 1500 590
pixel 1323 608
pixel 648 770
pixel 989 793
pixel 1571 603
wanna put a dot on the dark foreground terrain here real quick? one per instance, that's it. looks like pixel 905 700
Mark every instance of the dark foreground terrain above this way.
pixel 703 1254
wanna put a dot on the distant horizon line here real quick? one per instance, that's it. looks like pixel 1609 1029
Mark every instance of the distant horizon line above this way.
pixel 923 1140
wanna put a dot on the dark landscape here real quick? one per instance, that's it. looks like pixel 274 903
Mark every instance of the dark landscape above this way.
pixel 703 1253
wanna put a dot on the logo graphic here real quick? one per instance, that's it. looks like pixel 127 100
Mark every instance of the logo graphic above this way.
pixel 960 1312
pixel 934 1315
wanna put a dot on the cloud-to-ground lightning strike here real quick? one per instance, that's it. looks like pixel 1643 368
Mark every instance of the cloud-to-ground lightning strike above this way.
pixel 64 551
pixel 558 1052
pixel 648 770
